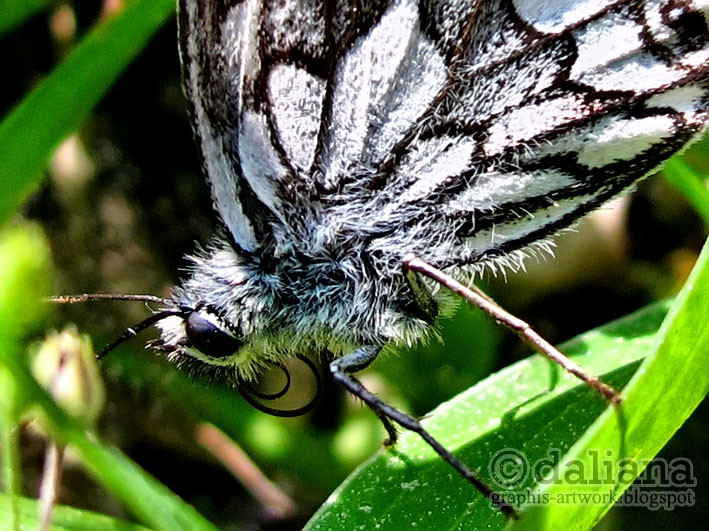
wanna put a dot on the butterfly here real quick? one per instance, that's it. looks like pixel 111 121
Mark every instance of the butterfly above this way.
pixel 361 153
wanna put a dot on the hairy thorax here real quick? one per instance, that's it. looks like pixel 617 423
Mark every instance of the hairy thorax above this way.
pixel 293 305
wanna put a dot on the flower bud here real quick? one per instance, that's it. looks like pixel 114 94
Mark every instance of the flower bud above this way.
pixel 66 366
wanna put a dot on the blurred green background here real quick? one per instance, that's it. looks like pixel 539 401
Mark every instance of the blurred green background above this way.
pixel 121 203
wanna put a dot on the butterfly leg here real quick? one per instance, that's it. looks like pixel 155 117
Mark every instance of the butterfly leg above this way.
pixel 357 361
pixel 342 370
pixel 475 296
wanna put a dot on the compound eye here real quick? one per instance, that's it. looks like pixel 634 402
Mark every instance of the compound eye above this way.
pixel 206 335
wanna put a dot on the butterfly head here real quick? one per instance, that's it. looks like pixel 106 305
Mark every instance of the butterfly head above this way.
pixel 213 328
pixel 205 342
pixel 218 330
pixel 209 335
pixel 201 327
pixel 199 332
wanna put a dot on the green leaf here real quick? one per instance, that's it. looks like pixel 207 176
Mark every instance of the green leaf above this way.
pixel 663 393
pixel 63 517
pixel 14 12
pixel 24 277
pixel 32 130
pixel 526 419
pixel 10 445
pixel 691 183
pixel 149 500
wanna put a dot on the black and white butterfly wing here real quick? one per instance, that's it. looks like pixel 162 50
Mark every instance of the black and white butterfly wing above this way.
pixel 338 136
pixel 260 79
pixel 256 109
pixel 549 109
pixel 458 130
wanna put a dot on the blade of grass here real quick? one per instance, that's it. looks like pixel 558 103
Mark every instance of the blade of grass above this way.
pixel 530 409
pixel 24 274
pixel 691 183
pixel 10 446
pixel 14 12
pixel 65 517
pixel 32 130
pixel 147 498
pixel 663 393
pixel 530 422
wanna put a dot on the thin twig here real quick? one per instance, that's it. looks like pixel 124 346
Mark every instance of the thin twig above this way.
pixel 50 483
pixel 278 504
